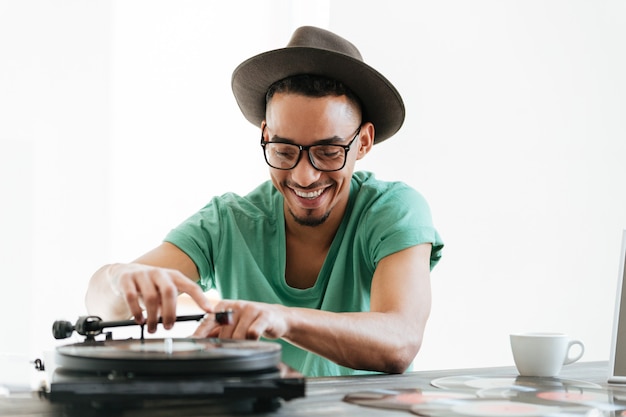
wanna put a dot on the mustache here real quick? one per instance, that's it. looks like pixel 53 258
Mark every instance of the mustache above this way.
pixel 315 185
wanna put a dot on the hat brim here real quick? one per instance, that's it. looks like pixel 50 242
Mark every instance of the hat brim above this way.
pixel 382 103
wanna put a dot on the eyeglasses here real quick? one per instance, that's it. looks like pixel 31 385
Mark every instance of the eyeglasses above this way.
pixel 323 157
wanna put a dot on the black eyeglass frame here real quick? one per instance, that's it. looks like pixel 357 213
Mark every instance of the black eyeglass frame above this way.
pixel 301 148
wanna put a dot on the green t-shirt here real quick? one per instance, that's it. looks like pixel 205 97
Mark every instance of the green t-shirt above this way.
pixel 238 245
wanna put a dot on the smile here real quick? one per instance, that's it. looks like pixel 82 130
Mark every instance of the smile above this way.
pixel 310 195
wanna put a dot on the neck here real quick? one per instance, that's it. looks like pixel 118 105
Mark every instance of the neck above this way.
pixel 321 235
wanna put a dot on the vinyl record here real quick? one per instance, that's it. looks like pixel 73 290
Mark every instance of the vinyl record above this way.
pixel 169 356
pixel 571 394
pixel 402 399
pixel 478 383
pixel 483 408
pixel 599 399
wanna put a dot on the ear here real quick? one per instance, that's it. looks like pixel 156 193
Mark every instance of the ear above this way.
pixel 366 139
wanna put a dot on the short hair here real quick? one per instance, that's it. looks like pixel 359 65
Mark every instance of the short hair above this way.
pixel 312 86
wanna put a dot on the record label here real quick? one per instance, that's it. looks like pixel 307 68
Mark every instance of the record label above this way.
pixel 575 397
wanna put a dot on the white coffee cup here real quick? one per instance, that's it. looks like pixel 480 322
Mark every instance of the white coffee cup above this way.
pixel 544 354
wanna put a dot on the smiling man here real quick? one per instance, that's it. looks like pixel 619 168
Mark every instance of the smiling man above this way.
pixel 330 262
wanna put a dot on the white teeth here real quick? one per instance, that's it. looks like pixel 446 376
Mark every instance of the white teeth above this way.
pixel 312 194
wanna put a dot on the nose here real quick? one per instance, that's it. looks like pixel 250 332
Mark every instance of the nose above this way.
pixel 304 173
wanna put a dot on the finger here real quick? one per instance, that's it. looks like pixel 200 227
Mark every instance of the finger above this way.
pixel 167 293
pixel 206 327
pixel 226 330
pixel 214 333
pixel 243 323
pixel 195 292
pixel 257 328
pixel 151 300
pixel 128 288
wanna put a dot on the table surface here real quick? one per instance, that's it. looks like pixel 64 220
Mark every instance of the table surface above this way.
pixel 324 396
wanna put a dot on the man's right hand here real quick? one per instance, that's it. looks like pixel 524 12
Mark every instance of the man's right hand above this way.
pixel 152 284
pixel 155 290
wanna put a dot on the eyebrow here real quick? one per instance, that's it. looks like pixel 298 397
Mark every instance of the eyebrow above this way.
pixel 328 141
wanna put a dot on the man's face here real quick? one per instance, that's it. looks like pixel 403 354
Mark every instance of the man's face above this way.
pixel 312 196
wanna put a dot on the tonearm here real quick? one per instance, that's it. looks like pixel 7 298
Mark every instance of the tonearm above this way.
pixel 92 326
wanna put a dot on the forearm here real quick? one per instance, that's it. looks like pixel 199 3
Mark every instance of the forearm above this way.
pixel 376 341
pixel 386 338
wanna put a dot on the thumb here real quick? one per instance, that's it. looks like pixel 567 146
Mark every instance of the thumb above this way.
pixel 207 326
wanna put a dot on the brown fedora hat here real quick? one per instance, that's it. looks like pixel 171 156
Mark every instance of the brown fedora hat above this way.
pixel 317 51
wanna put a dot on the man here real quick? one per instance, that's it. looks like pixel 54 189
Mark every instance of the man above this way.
pixel 331 263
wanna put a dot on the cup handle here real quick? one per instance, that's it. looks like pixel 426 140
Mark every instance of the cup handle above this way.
pixel 571 359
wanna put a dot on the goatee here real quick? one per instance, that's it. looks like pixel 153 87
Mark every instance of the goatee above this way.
pixel 310 221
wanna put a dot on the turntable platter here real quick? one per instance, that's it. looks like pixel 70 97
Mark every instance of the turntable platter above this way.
pixel 180 356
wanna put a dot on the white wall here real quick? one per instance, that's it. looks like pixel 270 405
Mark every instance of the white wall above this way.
pixel 115 118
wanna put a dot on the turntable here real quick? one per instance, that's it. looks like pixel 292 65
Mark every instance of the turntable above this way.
pixel 129 373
